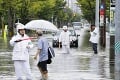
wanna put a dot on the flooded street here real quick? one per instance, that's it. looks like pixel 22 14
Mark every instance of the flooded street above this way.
pixel 4 44
pixel 74 66
pixel 78 65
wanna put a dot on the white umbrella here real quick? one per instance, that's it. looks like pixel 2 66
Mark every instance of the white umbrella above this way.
pixel 41 24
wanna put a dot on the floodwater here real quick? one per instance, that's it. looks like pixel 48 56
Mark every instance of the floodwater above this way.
pixel 75 66
pixel 6 65
pixel 4 44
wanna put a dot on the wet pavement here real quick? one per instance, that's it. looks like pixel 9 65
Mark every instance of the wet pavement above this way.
pixel 74 66
pixel 78 65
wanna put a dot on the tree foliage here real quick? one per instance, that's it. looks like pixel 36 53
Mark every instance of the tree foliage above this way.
pixel 26 10
pixel 88 9
pixel 31 9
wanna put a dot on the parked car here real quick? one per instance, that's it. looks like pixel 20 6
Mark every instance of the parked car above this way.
pixel 73 38
pixel 55 40
pixel 77 25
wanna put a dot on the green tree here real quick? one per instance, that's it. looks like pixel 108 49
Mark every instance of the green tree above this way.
pixel 67 16
pixel 8 10
pixel 76 17
pixel 58 12
pixel 42 9
pixel 26 10
pixel 62 14
pixel 23 11
pixel 88 9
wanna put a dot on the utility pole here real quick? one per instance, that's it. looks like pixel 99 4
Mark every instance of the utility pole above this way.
pixel 112 37
pixel 112 32
pixel 102 24
pixel 97 14
pixel 117 40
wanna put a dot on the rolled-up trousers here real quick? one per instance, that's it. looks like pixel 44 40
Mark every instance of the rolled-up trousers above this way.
pixel 66 48
pixel 22 67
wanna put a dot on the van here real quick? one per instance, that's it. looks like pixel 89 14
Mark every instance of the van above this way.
pixel 77 25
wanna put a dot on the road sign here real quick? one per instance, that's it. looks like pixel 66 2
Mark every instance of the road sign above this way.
pixel 101 6
pixel 101 20
pixel 102 12
pixel 101 17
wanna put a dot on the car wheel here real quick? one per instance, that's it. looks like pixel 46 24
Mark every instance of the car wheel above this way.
pixel 53 45
pixel 76 44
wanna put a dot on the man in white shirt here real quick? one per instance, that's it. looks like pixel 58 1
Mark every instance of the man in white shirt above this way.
pixel 65 40
pixel 94 38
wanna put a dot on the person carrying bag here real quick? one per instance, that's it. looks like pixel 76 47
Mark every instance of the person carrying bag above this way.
pixel 43 51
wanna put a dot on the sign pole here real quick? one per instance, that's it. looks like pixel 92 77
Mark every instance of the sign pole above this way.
pixel 102 24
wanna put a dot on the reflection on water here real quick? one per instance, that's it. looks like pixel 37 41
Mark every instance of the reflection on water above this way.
pixel 84 63
pixel 4 44
pixel 117 75
pixel 100 65
pixel 112 70
pixel 6 65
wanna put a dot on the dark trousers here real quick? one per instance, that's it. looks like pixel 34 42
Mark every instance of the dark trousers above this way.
pixel 94 46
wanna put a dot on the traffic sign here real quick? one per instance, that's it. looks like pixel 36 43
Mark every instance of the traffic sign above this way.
pixel 101 6
pixel 102 12
pixel 101 20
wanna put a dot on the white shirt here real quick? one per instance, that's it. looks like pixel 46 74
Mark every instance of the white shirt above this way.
pixel 94 38
pixel 64 38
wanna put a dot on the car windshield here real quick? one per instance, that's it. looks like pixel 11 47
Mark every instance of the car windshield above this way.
pixel 72 32
pixel 58 33
pixel 77 24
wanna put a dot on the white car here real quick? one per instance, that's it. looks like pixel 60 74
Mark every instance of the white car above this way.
pixel 73 38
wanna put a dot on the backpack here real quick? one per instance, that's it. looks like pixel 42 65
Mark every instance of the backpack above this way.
pixel 51 54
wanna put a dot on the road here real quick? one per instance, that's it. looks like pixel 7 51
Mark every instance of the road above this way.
pixel 78 65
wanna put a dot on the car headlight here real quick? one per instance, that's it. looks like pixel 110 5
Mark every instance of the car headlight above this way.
pixel 73 38
pixel 55 38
